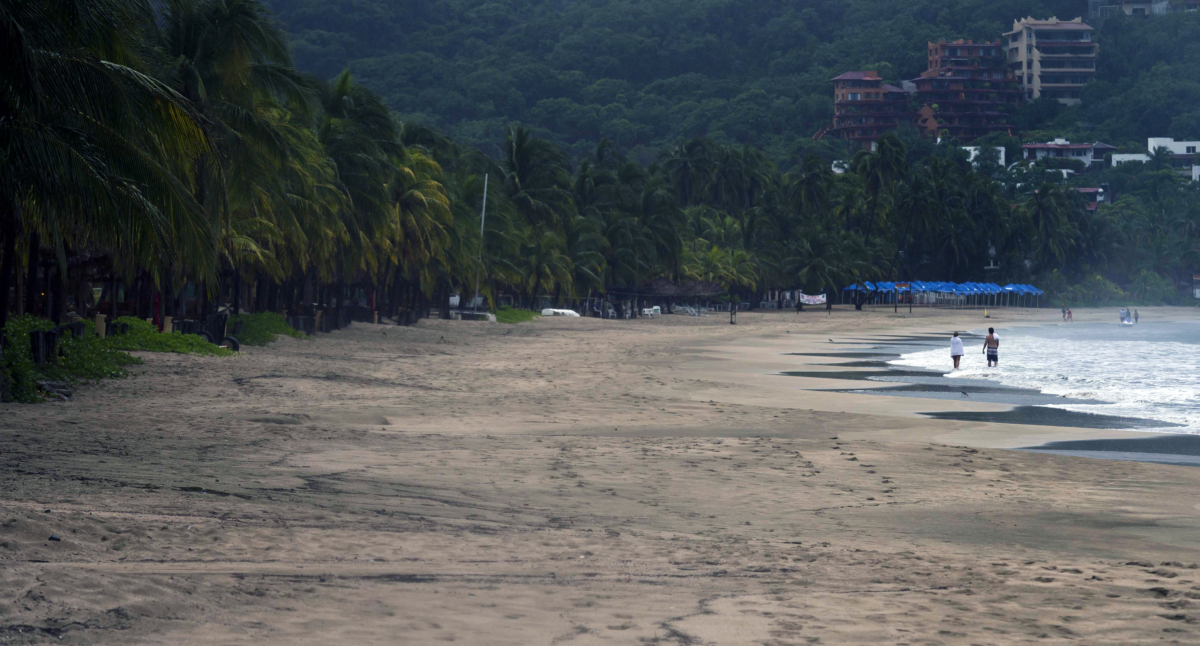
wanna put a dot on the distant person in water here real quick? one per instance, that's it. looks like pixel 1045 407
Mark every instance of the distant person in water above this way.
pixel 1135 317
pixel 991 347
pixel 1064 312
pixel 1070 316
pixel 956 349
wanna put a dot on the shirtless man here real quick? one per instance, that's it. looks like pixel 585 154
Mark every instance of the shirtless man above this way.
pixel 991 347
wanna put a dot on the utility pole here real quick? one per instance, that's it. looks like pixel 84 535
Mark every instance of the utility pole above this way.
pixel 482 219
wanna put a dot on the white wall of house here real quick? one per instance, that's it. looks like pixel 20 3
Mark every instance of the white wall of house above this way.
pixel 1121 158
pixel 1176 147
pixel 973 152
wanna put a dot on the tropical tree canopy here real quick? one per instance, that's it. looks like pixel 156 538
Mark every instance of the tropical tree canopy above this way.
pixel 170 154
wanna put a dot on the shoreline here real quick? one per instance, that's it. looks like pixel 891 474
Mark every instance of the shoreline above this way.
pixel 570 480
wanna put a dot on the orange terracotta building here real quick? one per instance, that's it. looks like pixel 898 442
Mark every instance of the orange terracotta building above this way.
pixel 968 90
pixel 966 93
pixel 865 107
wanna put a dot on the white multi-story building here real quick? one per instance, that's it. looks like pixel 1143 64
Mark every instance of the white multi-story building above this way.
pixel 1182 155
pixel 1176 147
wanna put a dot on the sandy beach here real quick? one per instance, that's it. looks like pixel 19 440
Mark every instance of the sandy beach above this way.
pixel 578 481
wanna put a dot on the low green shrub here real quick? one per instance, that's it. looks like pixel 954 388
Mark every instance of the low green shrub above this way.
pixel 22 373
pixel 510 315
pixel 262 328
pixel 143 336
pixel 1151 288
pixel 78 360
pixel 1095 290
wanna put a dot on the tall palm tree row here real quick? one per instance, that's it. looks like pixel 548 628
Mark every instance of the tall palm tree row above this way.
pixel 169 152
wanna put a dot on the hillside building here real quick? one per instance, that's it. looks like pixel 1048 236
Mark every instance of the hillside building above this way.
pixel 968 90
pixel 1090 154
pixel 865 107
pixel 1183 156
pixel 1052 58
pixel 1094 196
pixel 1101 9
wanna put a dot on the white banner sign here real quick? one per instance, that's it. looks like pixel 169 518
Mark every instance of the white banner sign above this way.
pixel 812 300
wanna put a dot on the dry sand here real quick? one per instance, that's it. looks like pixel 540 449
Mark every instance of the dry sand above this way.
pixel 574 481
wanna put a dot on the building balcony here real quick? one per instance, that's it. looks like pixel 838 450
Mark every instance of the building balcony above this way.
pixel 871 101
pixel 853 134
pixel 1091 52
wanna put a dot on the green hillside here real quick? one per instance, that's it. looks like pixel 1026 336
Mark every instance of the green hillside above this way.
pixel 644 74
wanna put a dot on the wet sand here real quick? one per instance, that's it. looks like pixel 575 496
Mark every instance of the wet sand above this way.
pixel 577 481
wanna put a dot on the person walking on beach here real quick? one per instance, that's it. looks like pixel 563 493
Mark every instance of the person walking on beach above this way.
pixel 1070 316
pixel 991 347
pixel 1135 317
pixel 1064 312
pixel 956 349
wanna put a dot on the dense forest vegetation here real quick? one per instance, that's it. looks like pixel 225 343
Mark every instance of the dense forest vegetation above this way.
pixel 174 150
pixel 646 73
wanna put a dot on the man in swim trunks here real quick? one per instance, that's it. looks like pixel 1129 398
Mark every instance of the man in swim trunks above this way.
pixel 991 347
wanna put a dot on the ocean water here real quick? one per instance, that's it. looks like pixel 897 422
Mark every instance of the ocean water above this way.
pixel 1151 370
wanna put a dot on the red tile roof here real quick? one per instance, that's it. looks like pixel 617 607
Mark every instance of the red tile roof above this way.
pixel 1098 144
pixel 870 75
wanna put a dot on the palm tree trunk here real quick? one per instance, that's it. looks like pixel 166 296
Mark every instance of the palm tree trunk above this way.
pixel 31 276
pixel 168 295
pixel 59 290
pixel 8 227
pixel 289 295
pixel 237 292
pixel 444 302
pixel 306 304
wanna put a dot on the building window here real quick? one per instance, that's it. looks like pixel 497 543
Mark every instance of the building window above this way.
pixel 855 96
pixel 1191 150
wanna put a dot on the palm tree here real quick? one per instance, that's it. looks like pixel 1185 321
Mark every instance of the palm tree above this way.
pixel 880 170
pixel 1050 223
pixel 231 61
pixel 94 148
pixel 547 266
pixel 689 167
pixel 536 179
pixel 583 244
